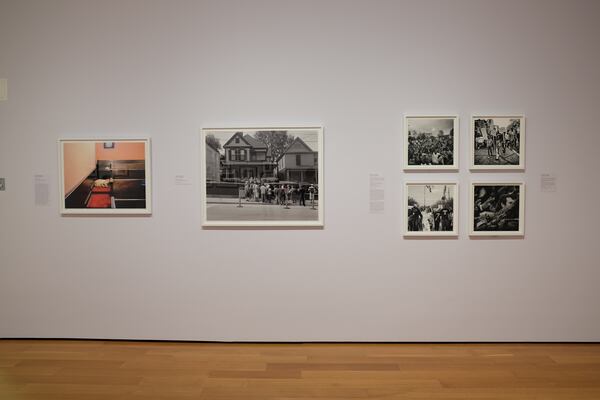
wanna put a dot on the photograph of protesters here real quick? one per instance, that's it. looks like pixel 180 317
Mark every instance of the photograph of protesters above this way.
pixel 497 208
pixel 430 143
pixel 430 209
pixel 497 143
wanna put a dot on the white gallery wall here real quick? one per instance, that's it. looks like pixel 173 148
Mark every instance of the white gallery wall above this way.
pixel 165 69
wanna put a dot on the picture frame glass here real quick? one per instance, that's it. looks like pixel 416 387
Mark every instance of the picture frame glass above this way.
pixel 497 142
pixel 262 176
pixel 431 209
pixel 99 176
pixel 497 209
pixel 431 142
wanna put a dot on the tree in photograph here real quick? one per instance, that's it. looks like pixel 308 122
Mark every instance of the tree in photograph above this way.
pixel 213 141
pixel 277 141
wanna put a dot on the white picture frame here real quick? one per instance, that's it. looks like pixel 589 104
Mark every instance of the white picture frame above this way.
pixel 212 212
pixel 498 202
pixel 428 221
pixel 431 123
pixel 86 170
pixel 487 157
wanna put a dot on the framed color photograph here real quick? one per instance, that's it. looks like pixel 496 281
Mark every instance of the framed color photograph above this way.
pixel 431 142
pixel 105 176
pixel 262 176
pixel 431 209
pixel 497 209
pixel 497 143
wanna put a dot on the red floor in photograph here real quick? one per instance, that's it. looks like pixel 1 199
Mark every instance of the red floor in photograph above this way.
pixel 99 200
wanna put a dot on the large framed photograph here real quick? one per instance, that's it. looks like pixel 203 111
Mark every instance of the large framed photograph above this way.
pixel 431 209
pixel 497 143
pixel 431 142
pixel 262 176
pixel 105 176
pixel 497 209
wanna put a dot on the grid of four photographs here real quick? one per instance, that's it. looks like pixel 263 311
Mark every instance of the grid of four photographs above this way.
pixel 431 143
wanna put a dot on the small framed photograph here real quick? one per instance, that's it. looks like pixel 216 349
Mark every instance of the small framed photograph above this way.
pixel 431 209
pixel 497 209
pixel 431 142
pixel 270 176
pixel 497 143
pixel 105 176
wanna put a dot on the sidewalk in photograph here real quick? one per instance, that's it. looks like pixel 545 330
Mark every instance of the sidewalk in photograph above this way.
pixel 227 209
pixel 482 157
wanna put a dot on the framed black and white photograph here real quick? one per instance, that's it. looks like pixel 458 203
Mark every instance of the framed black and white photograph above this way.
pixel 269 176
pixel 497 209
pixel 497 143
pixel 431 142
pixel 431 209
pixel 105 176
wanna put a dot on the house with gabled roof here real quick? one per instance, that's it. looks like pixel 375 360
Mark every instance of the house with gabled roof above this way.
pixel 298 163
pixel 247 157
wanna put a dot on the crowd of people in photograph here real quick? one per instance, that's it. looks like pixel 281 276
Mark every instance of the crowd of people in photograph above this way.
pixel 259 191
pixel 429 219
pixel 497 140
pixel 496 208
pixel 424 149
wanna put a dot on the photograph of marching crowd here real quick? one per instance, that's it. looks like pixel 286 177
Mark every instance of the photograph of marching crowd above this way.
pixel 430 209
pixel 255 177
pixel 497 209
pixel 497 143
pixel 430 143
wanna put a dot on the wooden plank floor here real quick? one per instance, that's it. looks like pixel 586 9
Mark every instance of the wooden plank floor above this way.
pixel 86 370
